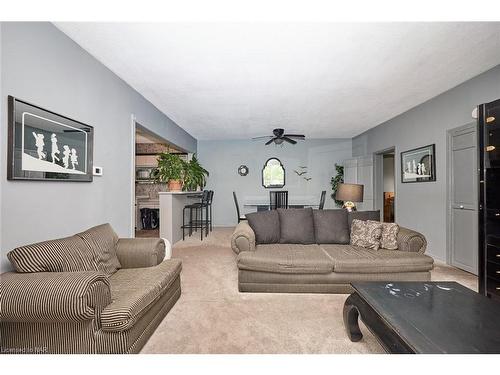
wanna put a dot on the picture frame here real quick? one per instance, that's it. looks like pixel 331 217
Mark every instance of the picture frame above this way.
pixel 419 164
pixel 46 146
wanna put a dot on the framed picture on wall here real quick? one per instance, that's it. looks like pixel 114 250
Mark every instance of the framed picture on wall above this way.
pixel 43 145
pixel 419 164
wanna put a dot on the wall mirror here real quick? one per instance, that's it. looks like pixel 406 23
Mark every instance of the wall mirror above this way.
pixel 273 174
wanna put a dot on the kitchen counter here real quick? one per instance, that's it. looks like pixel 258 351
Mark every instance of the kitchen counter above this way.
pixel 171 206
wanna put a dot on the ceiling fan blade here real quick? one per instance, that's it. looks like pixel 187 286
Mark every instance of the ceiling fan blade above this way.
pixel 294 135
pixel 289 140
pixel 263 137
pixel 270 141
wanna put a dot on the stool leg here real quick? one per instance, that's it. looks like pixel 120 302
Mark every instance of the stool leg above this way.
pixel 183 222
pixel 201 223
pixel 211 217
pixel 206 221
pixel 190 221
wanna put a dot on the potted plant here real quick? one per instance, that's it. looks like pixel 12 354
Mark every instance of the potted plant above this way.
pixel 335 181
pixel 195 176
pixel 170 169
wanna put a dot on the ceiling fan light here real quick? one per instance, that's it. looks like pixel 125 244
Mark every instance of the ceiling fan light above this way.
pixel 278 141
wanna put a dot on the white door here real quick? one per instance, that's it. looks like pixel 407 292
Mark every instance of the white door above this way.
pixel 463 237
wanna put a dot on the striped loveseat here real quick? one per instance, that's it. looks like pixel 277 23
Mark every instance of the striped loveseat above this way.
pixel 89 293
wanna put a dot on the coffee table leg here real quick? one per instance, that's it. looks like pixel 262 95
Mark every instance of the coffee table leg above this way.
pixel 351 314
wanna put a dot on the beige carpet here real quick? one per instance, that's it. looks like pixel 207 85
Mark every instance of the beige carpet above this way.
pixel 211 316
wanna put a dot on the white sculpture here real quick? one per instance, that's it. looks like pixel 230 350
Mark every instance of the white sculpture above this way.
pixel 66 153
pixel 39 143
pixel 55 149
pixel 424 170
pixel 419 168
pixel 74 158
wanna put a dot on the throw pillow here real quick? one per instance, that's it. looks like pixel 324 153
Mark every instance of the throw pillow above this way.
pixel 389 239
pixel 366 234
pixel 330 226
pixel 296 226
pixel 363 215
pixel 266 226
pixel 102 240
pixel 68 254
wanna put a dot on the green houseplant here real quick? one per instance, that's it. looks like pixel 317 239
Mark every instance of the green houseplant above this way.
pixel 194 175
pixel 171 169
pixel 335 181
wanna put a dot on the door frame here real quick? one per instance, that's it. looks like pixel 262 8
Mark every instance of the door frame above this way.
pixel 133 129
pixel 449 185
pixel 378 181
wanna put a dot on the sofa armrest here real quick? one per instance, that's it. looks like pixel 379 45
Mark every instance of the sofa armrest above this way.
pixel 53 296
pixel 140 252
pixel 410 240
pixel 243 238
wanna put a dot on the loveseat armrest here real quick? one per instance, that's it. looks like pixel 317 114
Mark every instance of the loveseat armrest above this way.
pixel 140 252
pixel 243 238
pixel 410 240
pixel 53 296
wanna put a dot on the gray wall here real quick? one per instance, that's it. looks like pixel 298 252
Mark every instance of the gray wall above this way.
pixel 42 65
pixel 422 206
pixel 222 159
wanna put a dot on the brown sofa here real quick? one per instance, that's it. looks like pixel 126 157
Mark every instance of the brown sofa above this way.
pixel 88 293
pixel 324 267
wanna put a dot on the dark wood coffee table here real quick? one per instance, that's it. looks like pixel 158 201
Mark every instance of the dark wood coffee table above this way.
pixel 424 317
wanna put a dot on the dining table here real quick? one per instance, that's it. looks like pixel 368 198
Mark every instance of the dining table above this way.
pixel 263 204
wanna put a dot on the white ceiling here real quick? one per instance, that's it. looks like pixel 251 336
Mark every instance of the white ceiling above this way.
pixel 229 81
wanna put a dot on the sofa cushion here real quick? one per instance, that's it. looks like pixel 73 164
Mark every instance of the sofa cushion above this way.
pixel 134 291
pixel 286 258
pixel 102 240
pixel 266 226
pixel 355 259
pixel 363 215
pixel 69 254
pixel 331 226
pixel 389 239
pixel 366 233
pixel 296 226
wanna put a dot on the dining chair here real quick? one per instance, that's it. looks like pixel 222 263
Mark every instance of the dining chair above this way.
pixel 278 199
pixel 240 217
pixel 322 200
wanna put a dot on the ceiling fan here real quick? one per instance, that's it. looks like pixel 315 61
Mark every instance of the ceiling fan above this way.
pixel 279 136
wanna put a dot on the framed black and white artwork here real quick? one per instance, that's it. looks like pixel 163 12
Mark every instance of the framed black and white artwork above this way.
pixel 43 145
pixel 419 164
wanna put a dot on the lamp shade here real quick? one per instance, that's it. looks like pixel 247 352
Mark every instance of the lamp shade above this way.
pixel 349 192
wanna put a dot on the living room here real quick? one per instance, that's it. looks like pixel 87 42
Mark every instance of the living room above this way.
pixel 249 186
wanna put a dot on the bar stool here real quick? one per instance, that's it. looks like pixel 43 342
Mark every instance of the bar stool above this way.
pixel 194 223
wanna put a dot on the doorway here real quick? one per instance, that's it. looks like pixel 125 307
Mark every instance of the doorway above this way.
pixel 146 203
pixel 385 184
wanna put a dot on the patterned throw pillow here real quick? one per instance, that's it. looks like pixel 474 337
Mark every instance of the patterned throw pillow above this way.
pixel 389 236
pixel 366 234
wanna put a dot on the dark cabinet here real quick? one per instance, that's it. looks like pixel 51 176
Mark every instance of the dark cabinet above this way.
pixel 489 198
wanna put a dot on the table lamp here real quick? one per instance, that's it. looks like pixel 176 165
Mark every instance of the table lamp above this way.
pixel 349 193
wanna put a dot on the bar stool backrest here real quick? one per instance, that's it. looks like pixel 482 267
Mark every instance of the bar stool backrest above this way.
pixel 205 197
